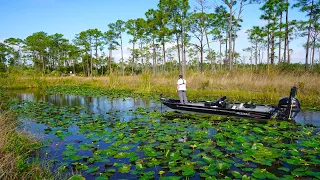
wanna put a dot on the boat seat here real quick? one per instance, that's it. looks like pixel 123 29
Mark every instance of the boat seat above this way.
pixel 220 102
pixel 250 105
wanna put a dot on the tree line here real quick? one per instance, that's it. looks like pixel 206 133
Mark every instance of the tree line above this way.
pixel 173 37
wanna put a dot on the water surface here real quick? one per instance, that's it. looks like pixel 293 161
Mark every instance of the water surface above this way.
pixel 120 130
pixel 101 105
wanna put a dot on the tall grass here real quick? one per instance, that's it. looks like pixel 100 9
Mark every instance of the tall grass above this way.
pixel 18 153
pixel 14 151
pixel 260 86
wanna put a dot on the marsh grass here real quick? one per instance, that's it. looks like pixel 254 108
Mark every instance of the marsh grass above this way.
pixel 18 153
pixel 260 86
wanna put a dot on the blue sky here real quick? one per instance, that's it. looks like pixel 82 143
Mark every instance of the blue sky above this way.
pixel 21 18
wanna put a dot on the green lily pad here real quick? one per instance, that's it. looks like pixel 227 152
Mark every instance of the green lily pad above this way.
pixel 284 169
pixel 125 168
pixel 93 169
pixel 236 174
pixel 77 177
pixel 171 178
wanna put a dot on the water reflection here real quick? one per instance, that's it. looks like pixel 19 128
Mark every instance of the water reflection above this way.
pixel 97 105
pixel 309 117
pixel 101 105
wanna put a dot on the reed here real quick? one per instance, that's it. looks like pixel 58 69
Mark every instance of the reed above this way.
pixel 18 153
pixel 260 86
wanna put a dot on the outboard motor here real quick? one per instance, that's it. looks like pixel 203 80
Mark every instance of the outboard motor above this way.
pixel 289 107
pixel 221 102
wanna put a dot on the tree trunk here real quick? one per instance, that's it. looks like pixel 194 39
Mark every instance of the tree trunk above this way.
pixel 313 50
pixel 220 53
pixel 226 55
pixel 122 63
pixel 43 65
pixel 208 44
pixel 251 60
pixel 230 37
pixel 201 57
pixel 233 48
pixel 83 67
pixel 110 61
pixel 262 55
pixel 74 69
pixel 289 60
pixel 256 56
pixel 91 60
pixel 287 35
pixel 184 62
pixel 183 52
pixel 279 57
pixel 309 29
pixel 97 56
pixel 142 63
pixel 178 48
pixel 154 58
pixel 268 45
pixel 132 65
pixel 272 48
pixel 164 55
pixel 235 33
pixel 88 66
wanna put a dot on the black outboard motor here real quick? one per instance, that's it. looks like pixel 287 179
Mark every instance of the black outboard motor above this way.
pixel 289 107
pixel 221 102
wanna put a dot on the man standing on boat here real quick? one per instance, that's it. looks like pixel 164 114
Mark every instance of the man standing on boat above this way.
pixel 182 88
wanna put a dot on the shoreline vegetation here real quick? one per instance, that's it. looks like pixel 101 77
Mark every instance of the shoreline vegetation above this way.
pixel 18 151
pixel 167 41
pixel 258 87
pixel 16 148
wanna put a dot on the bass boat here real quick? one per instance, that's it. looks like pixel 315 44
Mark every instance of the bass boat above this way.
pixel 288 107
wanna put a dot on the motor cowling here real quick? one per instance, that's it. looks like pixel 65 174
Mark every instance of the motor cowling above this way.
pixel 289 107
pixel 221 102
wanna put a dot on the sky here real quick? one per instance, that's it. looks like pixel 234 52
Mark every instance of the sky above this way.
pixel 21 18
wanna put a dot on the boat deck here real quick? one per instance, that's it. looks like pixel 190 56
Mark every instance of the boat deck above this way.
pixel 257 108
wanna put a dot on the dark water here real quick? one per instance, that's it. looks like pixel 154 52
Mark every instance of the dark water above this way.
pixel 101 105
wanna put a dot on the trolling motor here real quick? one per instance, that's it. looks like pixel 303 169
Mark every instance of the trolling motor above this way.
pixel 161 97
pixel 289 107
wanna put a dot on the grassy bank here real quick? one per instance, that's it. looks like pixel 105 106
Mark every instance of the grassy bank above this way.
pixel 260 87
pixel 15 151
pixel 18 150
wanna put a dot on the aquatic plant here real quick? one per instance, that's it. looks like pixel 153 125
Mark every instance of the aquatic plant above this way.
pixel 151 144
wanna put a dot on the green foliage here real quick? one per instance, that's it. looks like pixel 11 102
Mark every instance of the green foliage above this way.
pixel 145 82
pixel 157 143
pixel 3 67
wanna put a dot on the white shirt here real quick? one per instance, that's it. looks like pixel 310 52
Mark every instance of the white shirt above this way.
pixel 182 85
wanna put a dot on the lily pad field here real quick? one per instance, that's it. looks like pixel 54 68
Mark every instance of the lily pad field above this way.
pixel 119 135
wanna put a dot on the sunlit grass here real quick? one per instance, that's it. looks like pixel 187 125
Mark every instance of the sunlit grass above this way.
pixel 16 151
pixel 260 86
